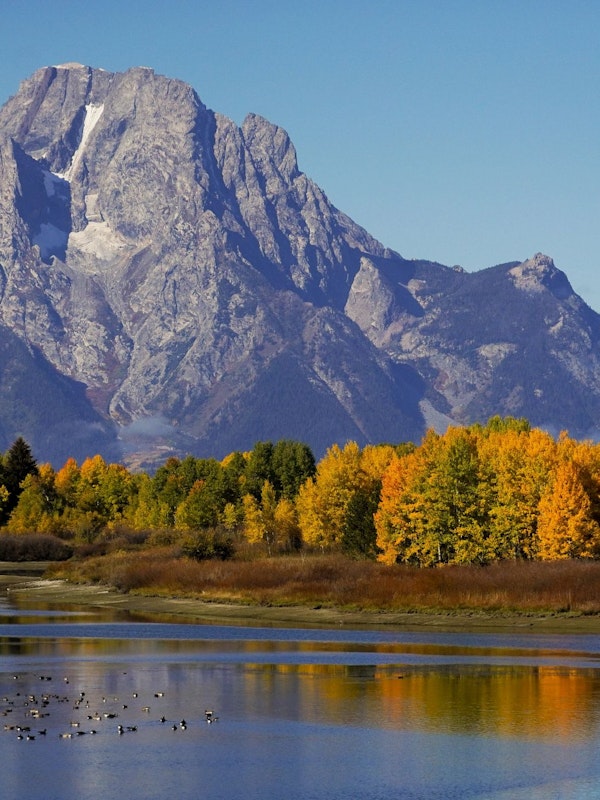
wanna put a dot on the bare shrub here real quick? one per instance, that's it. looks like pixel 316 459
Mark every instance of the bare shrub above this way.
pixel 207 544
pixel 33 547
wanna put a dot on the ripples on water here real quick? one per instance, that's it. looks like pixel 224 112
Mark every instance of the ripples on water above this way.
pixel 309 714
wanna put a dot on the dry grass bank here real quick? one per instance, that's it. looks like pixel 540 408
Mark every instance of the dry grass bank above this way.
pixel 337 582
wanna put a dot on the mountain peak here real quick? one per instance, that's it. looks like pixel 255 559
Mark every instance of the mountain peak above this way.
pixel 158 262
pixel 270 147
pixel 71 65
pixel 541 261
pixel 539 273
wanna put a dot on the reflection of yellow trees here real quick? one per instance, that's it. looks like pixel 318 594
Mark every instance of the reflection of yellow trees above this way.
pixel 539 702
pixel 496 701
pixel 556 703
pixel 320 693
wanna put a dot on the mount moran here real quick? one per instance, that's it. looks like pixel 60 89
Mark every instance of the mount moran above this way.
pixel 172 283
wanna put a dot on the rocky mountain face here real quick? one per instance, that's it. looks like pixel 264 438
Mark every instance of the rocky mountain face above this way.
pixel 173 283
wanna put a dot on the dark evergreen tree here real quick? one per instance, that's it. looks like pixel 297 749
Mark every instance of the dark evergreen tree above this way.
pixel 359 537
pixel 259 468
pixel 233 472
pixel 17 464
pixel 292 463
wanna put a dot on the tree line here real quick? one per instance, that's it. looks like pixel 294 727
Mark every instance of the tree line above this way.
pixel 473 494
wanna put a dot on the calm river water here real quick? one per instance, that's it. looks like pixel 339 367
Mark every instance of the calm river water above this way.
pixel 303 714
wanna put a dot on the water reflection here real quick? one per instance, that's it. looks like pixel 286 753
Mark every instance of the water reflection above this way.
pixel 484 698
pixel 500 701
pixel 319 714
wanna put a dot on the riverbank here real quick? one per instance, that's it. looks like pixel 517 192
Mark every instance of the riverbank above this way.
pixel 26 586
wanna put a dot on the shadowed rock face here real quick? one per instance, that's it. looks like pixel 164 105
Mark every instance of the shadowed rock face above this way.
pixel 199 292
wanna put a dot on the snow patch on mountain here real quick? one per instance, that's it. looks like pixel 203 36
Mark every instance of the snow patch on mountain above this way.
pixel 50 240
pixel 53 184
pixel 92 115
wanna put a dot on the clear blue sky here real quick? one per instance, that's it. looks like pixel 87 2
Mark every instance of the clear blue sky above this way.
pixel 461 131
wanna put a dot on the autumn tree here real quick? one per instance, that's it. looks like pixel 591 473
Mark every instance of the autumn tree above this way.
pixel 397 519
pixel 66 482
pixel 289 536
pixel 432 510
pixel 565 525
pixel 435 503
pixel 37 509
pixel 469 496
pixel 270 521
pixel 259 517
pixel 91 498
pixel 519 464
pixel 323 500
pixel 103 488
pixel 586 455
pixel 346 484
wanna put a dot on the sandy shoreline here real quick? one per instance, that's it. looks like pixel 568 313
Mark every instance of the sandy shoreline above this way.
pixel 25 585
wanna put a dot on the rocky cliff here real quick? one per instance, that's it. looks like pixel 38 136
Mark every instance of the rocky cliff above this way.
pixel 171 282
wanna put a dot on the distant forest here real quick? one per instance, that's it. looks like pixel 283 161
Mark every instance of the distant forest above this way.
pixel 473 495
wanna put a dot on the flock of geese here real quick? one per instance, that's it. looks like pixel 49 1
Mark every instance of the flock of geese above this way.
pixel 26 711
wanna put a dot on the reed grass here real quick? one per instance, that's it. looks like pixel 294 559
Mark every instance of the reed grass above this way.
pixel 341 582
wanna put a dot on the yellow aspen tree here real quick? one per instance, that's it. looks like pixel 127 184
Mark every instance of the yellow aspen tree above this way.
pixel 400 521
pixel 393 523
pixel 519 464
pixel 586 455
pixel 375 459
pixel 142 511
pixel 309 513
pixel 254 528
pixel 36 509
pixel 232 517
pixel 93 469
pixel 286 525
pixel 268 503
pixel 435 503
pixel 259 518
pixel 322 501
pixel 116 489
pixel 513 511
pixel 88 497
pixel 565 527
pixel 66 482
